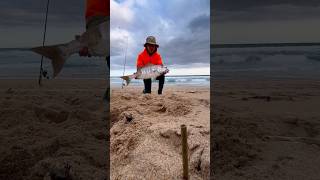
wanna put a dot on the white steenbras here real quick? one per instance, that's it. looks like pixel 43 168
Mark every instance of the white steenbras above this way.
pixel 147 72
pixel 95 38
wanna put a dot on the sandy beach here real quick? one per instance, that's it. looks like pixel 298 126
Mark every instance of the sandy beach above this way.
pixel 145 133
pixel 266 129
pixel 58 130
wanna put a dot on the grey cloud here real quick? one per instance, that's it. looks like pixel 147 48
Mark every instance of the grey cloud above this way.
pixel 26 12
pixel 179 51
pixel 117 47
pixel 200 22
pixel 236 5
pixel 187 50
pixel 185 40
pixel 191 47
pixel 257 10
pixel 116 51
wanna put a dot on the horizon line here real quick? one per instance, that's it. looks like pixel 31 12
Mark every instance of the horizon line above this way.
pixel 224 45
pixel 244 45
pixel 187 75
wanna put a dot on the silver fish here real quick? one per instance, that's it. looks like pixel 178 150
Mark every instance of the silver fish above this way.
pixel 95 38
pixel 147 72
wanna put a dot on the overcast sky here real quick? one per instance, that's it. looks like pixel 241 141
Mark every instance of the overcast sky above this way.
pixel 180 26
pixel 258 21
pixel 182 30
pixel 21 21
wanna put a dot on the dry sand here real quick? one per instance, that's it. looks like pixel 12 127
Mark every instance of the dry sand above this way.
pixel 266 130
pixel 145 134
pixel 47 131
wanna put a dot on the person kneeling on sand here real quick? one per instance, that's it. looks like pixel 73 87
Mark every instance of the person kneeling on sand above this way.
pixel 97 11
pixel 150 56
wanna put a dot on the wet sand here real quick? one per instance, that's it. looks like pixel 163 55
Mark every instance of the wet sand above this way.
pixel 58 130
pixel 266 129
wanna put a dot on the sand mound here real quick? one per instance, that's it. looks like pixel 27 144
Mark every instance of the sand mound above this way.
pixel 148 104
pixel 49 133
pixel 146 139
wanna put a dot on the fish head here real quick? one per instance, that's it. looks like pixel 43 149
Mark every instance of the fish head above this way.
pixel 164 70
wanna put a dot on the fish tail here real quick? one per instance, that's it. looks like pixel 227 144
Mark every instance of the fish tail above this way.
pixel 127 79
pixel 56 53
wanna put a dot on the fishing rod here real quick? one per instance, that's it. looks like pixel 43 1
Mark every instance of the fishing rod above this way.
pixel 41 73
pixel 125 61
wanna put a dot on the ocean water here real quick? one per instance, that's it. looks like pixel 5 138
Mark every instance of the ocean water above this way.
pixel 20 63
pixel 25 64
pixel 294 62
pixel 169 80
pixel 240 62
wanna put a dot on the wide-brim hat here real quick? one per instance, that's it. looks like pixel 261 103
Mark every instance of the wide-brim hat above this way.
pixel 151 40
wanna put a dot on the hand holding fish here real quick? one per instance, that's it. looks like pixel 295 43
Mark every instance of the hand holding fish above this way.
pixel 93 42
pixel 84 52
pixel 147 72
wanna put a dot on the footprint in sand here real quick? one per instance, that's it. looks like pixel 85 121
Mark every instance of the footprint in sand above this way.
pixel 73 101
pixel 204 102
pixel 56 116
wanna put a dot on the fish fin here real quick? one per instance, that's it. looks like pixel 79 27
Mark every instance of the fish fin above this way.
pixel 56 53
pixel 127 79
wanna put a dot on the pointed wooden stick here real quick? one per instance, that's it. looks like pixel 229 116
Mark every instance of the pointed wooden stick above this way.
pixel 184 152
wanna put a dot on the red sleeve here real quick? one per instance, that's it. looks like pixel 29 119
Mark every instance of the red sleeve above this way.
pixel 139 61
pixel 159 60
pixel 97 8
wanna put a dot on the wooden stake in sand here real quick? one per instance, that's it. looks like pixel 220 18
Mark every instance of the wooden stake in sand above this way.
pixel 184 152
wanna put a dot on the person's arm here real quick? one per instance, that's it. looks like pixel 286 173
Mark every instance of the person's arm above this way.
pixel 97 8
pixel 95 11
pixel 139 63
pixel 160 60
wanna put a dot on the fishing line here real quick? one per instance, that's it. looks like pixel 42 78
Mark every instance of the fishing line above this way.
pixel 43 42
pixel 125 62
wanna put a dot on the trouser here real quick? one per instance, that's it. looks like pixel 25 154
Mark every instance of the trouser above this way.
pixel 107 93
pixel 148 82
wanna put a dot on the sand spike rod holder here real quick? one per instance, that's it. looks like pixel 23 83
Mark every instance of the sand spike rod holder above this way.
pixel 184 143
